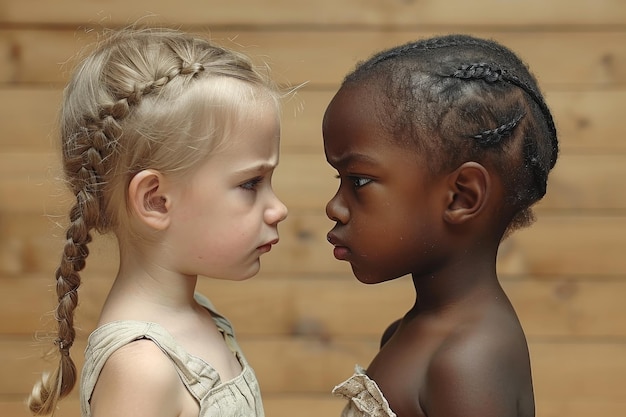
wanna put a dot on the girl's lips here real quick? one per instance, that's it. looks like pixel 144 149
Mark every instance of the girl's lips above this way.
pixel 268 246
pixel 265 248
pixel 341 253
pixel 330 237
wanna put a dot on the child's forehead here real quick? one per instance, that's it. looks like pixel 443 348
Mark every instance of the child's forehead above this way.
pixel 354 101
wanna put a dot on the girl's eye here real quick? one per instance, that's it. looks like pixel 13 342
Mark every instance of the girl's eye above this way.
pixel 251 184
pixel 359 182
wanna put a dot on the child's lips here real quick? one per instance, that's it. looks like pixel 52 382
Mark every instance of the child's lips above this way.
pixel 340 251
pixel 268 246
pixel 264 248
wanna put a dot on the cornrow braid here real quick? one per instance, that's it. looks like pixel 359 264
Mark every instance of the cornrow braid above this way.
pixel 429 44
pixel 491 73
pixel 544 110
pixel 493 137
pixel 478 71
pixel 120 112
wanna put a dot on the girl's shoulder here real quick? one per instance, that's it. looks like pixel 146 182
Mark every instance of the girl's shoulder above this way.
pixel 138 373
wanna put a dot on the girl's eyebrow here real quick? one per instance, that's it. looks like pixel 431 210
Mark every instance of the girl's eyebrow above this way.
pixel 351 157
pixel 256 169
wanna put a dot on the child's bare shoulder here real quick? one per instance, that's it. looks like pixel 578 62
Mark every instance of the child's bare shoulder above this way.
pixel 140 377
pixel 494 337
pixel 479 372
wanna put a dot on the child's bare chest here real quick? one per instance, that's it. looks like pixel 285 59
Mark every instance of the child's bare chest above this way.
pixel 400 369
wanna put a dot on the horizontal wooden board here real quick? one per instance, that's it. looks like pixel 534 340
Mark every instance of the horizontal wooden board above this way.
pixel 547 407
pixel 572 245
pixel 28 115
pixel 588 121
pixel 324 12
pixel 559 59
pixel 586 182
pixel 316 306
pixel 568 371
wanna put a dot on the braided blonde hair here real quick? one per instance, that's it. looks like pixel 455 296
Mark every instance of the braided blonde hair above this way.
pixel 132 104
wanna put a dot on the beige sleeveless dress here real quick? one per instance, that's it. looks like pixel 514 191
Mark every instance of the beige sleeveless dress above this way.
pixel 365 399
pixel 239 397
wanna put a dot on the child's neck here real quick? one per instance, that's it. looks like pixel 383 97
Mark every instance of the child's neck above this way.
pixel 454 285
pixel 144 290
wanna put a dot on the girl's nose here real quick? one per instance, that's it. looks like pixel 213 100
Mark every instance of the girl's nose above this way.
pixel 336 210
pixel 277 212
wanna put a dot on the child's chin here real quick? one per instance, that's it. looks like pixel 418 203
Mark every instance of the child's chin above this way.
pixel 369 278
pixel 252 271
pixel 366 278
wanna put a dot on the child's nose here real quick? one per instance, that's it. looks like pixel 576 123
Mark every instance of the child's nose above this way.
pixel 277 212
pixel 336 210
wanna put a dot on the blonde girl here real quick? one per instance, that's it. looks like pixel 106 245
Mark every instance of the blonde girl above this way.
pixel 169 142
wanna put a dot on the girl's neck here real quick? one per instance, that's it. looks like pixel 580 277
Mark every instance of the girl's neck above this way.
pixel 145 290
pixel 454 285
pixel 167 289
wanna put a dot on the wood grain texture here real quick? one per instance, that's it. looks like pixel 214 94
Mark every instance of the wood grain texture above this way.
pixel 589 59
pixel 305 321
pixel 320 12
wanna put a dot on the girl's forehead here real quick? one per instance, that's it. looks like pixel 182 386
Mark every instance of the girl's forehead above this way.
pixel 352 105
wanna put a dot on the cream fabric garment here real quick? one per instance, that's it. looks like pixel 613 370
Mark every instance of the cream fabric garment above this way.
pixel 239 397
pixel 365 399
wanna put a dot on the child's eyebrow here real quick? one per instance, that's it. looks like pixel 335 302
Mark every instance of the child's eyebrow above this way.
pixel 352 157
pixel 256 169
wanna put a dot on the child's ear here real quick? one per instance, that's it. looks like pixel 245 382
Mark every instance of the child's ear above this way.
pixel 468 189
pixel 148 200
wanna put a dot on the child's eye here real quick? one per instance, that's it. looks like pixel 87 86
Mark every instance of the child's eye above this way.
pixel 359 182
pixel 251 184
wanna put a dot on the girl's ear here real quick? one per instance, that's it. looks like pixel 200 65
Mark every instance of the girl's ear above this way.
pixel 147 199
pixel 469 187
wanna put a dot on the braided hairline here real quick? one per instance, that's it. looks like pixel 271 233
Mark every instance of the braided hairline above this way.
pixel 493 137
pixel 94 143
pixel 101 136
pixel 430 44
pixel 111 114
pixel 492 73
pixel 484 71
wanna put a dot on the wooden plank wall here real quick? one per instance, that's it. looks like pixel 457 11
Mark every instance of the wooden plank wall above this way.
pixel 304 321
